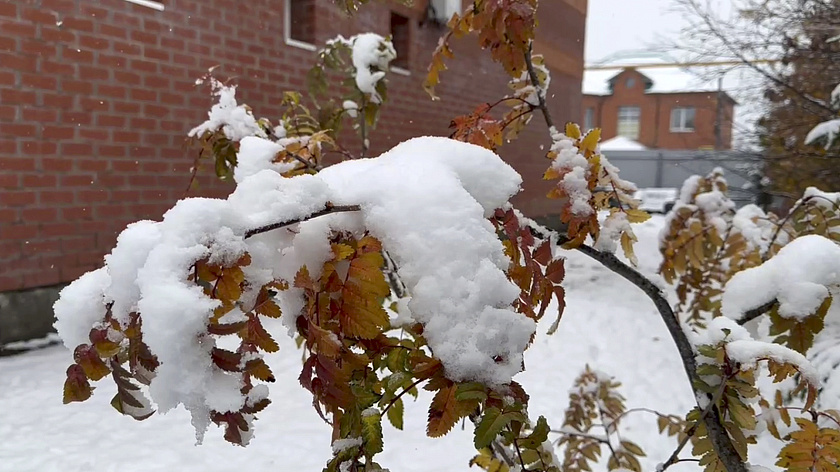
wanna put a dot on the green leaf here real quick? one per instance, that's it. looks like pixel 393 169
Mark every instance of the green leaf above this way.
pixel 471 391
pixel 395 414
pixel 372 431
pixel 538 436
pixel 493 421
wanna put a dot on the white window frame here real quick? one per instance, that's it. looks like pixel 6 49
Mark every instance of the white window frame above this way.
pixel 148 3
pixel 683 114
pixel 627 119
pixel 287 29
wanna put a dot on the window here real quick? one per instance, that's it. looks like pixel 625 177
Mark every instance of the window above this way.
pixel 682 120
pixel 628 122
pixel 589 119
pixel 148 3
pixel 630 82
pixel 299 21
pixel 401 39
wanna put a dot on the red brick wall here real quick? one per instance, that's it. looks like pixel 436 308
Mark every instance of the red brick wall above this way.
pixel 655 121
pixel 96 98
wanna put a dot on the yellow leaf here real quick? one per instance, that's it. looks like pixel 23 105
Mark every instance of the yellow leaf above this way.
pixel 342 251
pixel 572 130
pixel 637 216
pixel 590 142
pixel 551 173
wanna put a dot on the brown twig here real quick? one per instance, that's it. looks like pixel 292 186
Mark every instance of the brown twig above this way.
pixel 535 81
pixel 405 390
pixel 693 429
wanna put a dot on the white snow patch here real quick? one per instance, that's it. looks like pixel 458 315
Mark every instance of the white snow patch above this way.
pixel 805 261
pixel 235 120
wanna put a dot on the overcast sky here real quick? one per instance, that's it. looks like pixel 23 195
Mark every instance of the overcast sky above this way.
pixel 618 25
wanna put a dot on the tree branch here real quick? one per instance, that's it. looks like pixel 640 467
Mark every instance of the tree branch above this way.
pixel 535 81
pixel 326 211
pixel 750 315
pixel 717 433
pixel 693 429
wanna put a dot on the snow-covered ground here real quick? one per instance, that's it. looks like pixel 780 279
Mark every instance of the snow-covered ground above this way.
pixel 608 324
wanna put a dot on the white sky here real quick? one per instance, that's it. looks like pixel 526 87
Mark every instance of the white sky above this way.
pixel 620 25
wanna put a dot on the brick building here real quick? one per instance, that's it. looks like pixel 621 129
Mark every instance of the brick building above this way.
pixel 96 97
pixel 659 107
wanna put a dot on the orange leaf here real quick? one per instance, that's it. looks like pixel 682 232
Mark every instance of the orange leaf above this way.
pixel 442 412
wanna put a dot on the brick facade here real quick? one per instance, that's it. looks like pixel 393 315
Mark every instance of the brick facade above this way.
pixel 655 122
pixel 96 97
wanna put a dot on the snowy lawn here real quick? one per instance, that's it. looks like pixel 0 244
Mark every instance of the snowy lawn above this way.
pixel 608 324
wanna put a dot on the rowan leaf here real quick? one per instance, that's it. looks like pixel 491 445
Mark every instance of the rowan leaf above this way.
pixel 442 412
pixel 255 333
pixel 372 431
pixel 76 385
pixel 92 365
pixel 396 413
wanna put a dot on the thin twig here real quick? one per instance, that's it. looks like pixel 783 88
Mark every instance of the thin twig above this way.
pixel 750 315
pixel 535 81
pixel 405 390
pixel 518 451
pixel 326 211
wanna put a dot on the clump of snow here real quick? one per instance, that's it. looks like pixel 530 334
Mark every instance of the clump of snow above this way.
pixel 447 252
pixel 457 283
pixel 80 306
pixel 574 168
pixel 351 107
pixel 236 121
pixel 611 230
pixel 341 445
pixel 790 277
pixel 371 54
pixel 829 130
pixel 749 352
pixel 827 200
pixel 752 223
pixel 741 348
pixel 256 154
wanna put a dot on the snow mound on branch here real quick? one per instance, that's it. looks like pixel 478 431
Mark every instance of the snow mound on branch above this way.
pixel 434 225
pixel 798 277
pixel 80 307
pixel 256 154
pixel 743 349
pixel 368 51
pixel 427 200
pixel 235 120
pixel 829 130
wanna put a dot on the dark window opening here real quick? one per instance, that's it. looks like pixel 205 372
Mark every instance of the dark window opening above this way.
pixel 301 20
pixel 400 39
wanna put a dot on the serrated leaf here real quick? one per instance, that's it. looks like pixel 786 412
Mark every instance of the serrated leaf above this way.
pixel 442 412
pixel 92 365
pixel 76 385
pixel 492 422
pixel 255 333
pixel 396 413
pixel 538 436
pixel 372 432
pixel 342 251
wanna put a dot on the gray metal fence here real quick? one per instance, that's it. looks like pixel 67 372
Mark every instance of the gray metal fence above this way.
pixel 669 169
